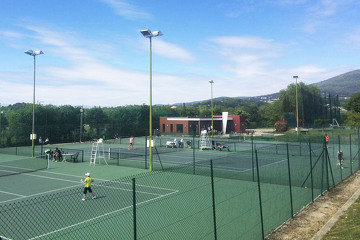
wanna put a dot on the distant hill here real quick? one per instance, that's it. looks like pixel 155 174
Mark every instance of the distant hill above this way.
pixel 343 85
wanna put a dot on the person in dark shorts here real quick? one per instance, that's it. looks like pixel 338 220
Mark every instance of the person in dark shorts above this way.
pixel 131 143
pixel 88 180
pixel 340 159
pixel 57 155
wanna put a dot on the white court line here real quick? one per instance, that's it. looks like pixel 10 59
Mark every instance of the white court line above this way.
pixel 231 169
pixel 100 216
pixel 12 194
pixel 75 186
pixel 37 194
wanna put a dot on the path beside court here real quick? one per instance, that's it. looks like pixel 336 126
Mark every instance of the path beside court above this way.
pixel 315 220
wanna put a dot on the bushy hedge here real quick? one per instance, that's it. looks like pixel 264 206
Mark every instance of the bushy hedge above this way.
pixel 281 126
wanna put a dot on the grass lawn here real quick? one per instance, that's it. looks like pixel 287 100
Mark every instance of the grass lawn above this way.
pixel 347 227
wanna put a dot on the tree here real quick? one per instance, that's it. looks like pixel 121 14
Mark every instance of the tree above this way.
pixel 353 119
pixel 354 103
pixel 309 101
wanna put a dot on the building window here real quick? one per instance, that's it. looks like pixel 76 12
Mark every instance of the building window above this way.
pixel 179 128
pixel 171 128
pixel 163 128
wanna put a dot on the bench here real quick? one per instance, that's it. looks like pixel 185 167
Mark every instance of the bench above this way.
pixel 74 157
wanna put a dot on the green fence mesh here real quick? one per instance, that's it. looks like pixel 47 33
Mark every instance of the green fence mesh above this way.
pixel 191 194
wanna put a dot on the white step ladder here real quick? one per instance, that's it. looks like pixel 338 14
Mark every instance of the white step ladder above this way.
pixel 97 153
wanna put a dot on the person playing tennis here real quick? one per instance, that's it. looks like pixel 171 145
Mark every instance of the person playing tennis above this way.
pixel 131 143
pixel 88 180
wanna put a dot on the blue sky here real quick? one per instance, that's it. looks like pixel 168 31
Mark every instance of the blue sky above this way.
pixel 95 55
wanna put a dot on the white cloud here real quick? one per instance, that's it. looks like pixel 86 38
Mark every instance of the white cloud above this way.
pixel 353 40
pixel 318 13
pixel 246 56
pixel 170 51
pixel 127 10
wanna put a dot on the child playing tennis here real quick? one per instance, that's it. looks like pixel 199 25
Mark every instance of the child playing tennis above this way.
pixel 340 158
pixel 88 180
pixel 131 143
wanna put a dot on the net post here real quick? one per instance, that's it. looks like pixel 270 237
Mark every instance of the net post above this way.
pixel 48 162
pixel 259 191
pixel 213 197
pixel 134 208
pixel 290 189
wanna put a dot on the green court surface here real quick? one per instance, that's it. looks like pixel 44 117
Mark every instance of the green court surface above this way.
pixel 175 201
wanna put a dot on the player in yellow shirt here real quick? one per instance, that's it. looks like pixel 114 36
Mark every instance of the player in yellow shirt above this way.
pixel 88 180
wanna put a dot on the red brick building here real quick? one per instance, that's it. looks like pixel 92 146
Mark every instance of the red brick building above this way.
pixel 185 125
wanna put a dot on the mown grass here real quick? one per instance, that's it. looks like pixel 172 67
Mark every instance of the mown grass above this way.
pixel 348 226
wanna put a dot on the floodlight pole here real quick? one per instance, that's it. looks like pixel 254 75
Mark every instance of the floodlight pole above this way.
pixel 33 53
pixel 212 110
pixel 297 107
pixel 81 122
pixel 1 130
pixel 150 114
pixel 148 34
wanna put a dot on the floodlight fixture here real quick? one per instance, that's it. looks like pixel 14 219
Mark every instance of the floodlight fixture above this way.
pixel 148 34
pixel 34 53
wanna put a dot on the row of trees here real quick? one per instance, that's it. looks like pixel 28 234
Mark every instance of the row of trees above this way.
pixel 62 123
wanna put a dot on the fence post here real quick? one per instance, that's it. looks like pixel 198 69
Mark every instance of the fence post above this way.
pixel 145 151
pixel 351 160
pixel 358 150
pixel 213 197
pixel 311 173
pixel 193 148
pixel 327 170
pixel 134 208
pixel 290 189
pixel 252 156
pixel 259 190
pixel 322 166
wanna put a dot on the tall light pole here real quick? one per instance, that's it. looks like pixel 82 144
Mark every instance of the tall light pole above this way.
pixel 148 34
pixel 1 131
pixel 212 110
pixel 297 107
pixel 81 122
pixel 34 54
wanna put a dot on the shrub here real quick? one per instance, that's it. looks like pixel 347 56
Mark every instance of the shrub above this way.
pixel 281 126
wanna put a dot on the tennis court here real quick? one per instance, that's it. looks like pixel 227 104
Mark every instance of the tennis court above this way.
pixel 191 194
pixel 32 195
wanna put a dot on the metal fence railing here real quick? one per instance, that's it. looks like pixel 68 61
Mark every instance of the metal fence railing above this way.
pixel 239 195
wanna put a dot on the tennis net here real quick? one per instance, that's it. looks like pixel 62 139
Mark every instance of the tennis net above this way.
pixel 24 165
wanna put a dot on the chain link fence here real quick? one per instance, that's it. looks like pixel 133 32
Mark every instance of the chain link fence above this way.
pixel 241 195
